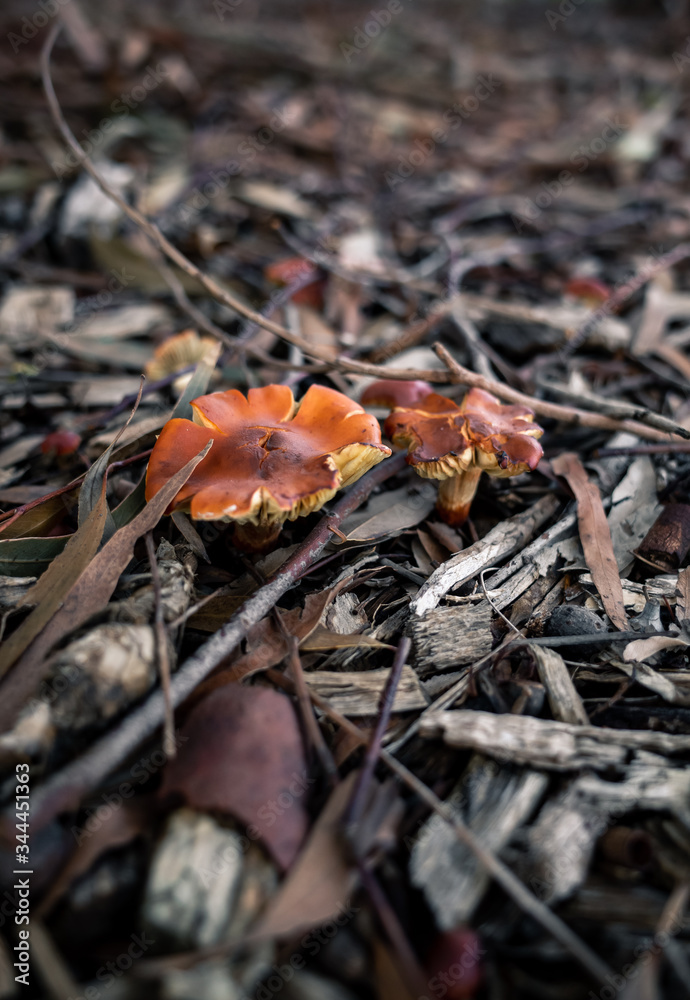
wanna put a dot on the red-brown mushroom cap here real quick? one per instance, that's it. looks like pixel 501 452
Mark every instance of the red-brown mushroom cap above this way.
pixel 393 393
pixel 434 432
pixel 455 444
pixel 271 460
pixel 503 435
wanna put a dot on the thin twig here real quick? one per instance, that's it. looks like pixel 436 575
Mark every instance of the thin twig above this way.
pixel 554 411
pixel 355 808
pixel 161 649
pixel 411 968
pixel 66 788
pixel 311 724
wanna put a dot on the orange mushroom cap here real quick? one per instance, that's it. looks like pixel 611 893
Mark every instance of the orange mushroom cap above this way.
pixel 434 432
pixel 455 444
pixel 503 435
pixel 292 269
pixel 391 392
pixel 61 443
pixel 271 459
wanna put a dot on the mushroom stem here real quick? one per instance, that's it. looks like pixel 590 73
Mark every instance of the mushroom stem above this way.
pixel 455 496
pixel 250 537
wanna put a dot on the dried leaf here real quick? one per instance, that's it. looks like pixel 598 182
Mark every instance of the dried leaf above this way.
pixel 595 536
pixel 30 556
pixel 266 644
pixel 320 882
pixel 245 758
pixel 641 649
pixel 323 638
pixel 37 521
pixel 53 586
pixel 94 587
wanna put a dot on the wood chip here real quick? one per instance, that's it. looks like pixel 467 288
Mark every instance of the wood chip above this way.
pixel 358 692
pixel 506 538
pixel 445 638
pixel 555 746
pixel 566 704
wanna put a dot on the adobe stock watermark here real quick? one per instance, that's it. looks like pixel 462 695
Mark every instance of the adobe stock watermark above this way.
pixel 443 981
pixel 582 157
pixel 269 814
pixel 642 955
pixel 565 10
pixel 140 772
pixel 453 118
pixel 112 970
pixel 247 151
pixel 312 943
pixel 365 34
pixel 30 26
pixel 121 107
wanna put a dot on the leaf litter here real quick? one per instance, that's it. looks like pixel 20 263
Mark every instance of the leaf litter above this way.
pixel 465 199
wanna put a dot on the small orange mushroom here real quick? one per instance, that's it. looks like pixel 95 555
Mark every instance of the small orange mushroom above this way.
pixel 293 269
pixel 272 459
pixel 392 392
pixel 61 443
pixel 455 444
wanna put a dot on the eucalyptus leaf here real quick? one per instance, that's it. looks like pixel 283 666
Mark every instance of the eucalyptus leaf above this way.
pixel 29 556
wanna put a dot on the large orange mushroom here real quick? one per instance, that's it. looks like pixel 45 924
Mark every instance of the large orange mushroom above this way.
pixel 455 444
pixel 272 459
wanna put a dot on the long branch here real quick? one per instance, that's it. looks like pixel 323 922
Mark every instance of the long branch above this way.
pixel 554 411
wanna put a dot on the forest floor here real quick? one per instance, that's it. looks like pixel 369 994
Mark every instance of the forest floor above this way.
pixel 385 756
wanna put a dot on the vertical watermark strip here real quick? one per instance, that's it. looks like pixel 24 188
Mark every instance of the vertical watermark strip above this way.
pixel 22 885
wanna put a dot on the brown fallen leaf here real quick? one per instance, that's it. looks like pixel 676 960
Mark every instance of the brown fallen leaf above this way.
pixel 52 587
pixel 245 757
pixel 91 592
pixel 667 542
pixel 38 520
pixel 266 644
pixel 595 536
pixel 641 649
pixel 320 882
pixel 322 638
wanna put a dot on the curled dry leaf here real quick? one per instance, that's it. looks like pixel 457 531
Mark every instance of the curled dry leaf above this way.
pixel 319 885
pixel 266 644
pixel 667 542
pixel 244 757
pixel 595 536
